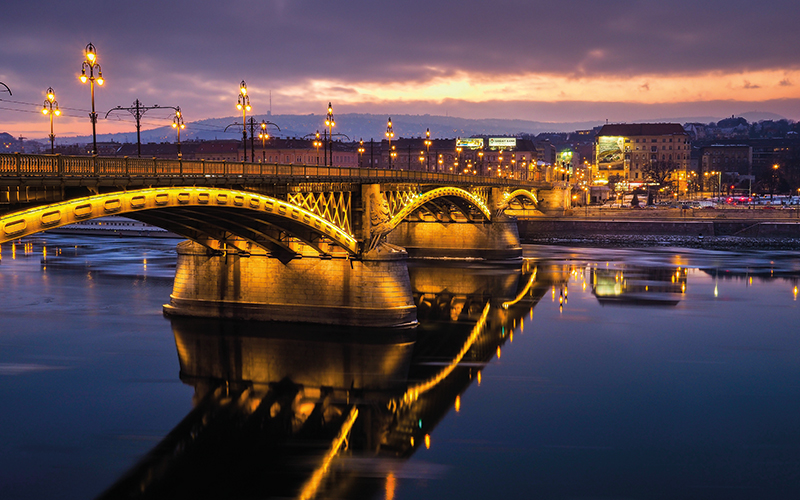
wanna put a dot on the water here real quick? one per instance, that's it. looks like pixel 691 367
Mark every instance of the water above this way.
pixel 599 373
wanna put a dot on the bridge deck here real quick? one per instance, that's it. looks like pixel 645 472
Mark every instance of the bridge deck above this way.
pixel 23 169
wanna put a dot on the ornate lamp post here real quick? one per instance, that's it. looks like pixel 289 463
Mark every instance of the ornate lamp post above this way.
pixel 47 109
pixel 428 149
pixel 264 136
pixel 360 153
pixel 177 124
pixel 90 63
pixel 243 104
pixel 329 122
pixel 389 135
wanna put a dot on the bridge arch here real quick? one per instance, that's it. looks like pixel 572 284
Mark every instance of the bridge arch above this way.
pixel 461 198
pixel 522 195
pixel 209 216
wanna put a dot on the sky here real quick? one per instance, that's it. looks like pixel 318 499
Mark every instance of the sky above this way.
pixel 568 61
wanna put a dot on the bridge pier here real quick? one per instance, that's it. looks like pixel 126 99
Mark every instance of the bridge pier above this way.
pixel 496 240
pixel 373 291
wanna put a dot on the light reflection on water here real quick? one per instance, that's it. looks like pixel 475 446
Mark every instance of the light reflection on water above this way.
pixel 650 373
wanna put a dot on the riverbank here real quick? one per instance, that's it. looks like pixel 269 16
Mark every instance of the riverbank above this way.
pixel 738 229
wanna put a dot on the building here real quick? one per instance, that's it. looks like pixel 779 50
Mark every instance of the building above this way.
pixel 624 150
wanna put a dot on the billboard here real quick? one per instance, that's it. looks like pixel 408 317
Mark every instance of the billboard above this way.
pixel 609 152
pixel 470 143
pixel 502 142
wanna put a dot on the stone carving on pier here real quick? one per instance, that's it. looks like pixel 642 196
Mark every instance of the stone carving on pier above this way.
pixel 379 219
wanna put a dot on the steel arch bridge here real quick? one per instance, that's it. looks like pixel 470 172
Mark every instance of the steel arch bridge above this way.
pixel 223 219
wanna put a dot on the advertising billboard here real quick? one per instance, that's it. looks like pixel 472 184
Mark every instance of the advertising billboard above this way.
pixel 502 142
pixel 609 152
pixel 470 143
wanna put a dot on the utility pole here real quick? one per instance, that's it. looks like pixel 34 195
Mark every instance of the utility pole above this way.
pixel 137 109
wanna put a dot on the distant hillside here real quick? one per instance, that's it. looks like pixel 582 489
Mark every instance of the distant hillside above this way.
pixel 354 126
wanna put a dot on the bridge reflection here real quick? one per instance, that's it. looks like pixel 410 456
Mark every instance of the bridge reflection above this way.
pixel 299 411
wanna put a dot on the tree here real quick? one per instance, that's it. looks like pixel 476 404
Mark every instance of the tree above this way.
pixel 658 172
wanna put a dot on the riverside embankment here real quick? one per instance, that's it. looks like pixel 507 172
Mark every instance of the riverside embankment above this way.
pixel 708 228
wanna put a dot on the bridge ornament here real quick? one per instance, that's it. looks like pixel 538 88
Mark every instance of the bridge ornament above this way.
pixel 206 215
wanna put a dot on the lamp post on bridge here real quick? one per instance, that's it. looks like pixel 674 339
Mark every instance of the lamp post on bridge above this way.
pixel 360 153
pixel 389 135
pixel 317 144
pixel 263 135
pixel 243 104
pixel 428 149
pixel 329 122
pixel 177 124
pixel 91 64
pixel 47 109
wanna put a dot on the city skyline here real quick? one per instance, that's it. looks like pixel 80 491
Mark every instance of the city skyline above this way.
pixel 573 62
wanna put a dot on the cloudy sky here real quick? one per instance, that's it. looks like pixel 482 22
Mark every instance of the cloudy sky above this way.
pixel 528 59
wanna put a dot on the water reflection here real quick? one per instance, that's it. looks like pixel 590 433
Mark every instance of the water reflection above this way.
pixel 275 403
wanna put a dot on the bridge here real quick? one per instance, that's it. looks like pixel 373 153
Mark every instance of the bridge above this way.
pixel 280 241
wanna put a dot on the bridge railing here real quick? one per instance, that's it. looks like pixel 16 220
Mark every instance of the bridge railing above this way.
pixel 30 165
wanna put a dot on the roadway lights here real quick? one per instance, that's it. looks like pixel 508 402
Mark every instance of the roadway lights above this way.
pixel 264 136
pixel 177 124
pixel 243 104
pixel 50 107
pixel 389 135
pixel 90 63
pixel 317 145
pixel 427 149
pixel 360 152
pixel 330 123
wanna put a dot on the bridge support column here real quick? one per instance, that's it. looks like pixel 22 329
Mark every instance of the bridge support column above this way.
pixel 373 291
pixel 557 200
pixel 462 240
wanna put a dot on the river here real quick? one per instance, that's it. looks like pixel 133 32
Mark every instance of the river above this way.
pixel 581 373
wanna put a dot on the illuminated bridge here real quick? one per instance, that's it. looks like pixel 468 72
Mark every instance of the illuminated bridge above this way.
pixel 279 242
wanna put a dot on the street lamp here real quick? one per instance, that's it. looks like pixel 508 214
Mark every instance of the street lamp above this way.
pixel 389 135
pixel 317 144
pixel 177 124
pixel 91 64
pixel 47 109
pixel 243 104
pixel 427 149
pixel 264 136
pixel 360 152
pixel 774 183
pixel 330 123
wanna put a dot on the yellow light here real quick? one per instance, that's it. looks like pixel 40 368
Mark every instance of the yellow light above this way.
pixel 58 112
pixel 238 106
pixel 479 378
pixel 247 107
pixel 90 56
pixel 458 404
pixel 44 111
pixel 51 97
pixel 83 77
pixel 243 91
pixel 100 81
pixel 174 125
pixel 428 441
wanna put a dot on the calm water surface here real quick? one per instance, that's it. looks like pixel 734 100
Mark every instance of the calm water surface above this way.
pixel 583 373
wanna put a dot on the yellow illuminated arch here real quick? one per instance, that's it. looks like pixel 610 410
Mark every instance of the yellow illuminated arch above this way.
pixel 34 220
pixel 523 193
pixel 423 198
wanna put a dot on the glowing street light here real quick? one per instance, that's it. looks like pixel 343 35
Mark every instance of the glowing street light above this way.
pixel 428 149
pixel 389 135
pixel 243 104
pixel 264 136
pixel 177 124
pixel 330 123
pixel 360 152
pixel 317 144
pixel 50 107
pixel 90 63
